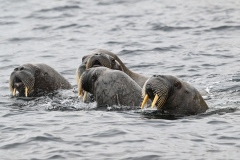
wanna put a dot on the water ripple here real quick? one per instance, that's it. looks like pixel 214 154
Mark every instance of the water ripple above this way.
pixel 165 28
pixel 195 41
pixel 26 39
pixel 223 28
pixel 60 8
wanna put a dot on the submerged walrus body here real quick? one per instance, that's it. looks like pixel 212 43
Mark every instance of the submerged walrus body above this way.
pixel 36 79
pixel 111 87
pixel 172 95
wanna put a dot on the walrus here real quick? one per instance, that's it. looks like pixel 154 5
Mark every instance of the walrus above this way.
pixel 101 57
pixel 35 79
pixel 96 59
pixel 111 87
pixel 173 95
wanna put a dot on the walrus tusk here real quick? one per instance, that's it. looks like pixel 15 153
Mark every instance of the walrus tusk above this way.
pixel 87 64
pixel 80 90
pixel 14 92
pixel 84 96
pixel 26 92
pixel 144 101
pixel 77 78
pixel 154 101
pixel 80 93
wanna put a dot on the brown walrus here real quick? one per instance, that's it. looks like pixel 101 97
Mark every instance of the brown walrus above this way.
pixel 172 95
pixel 111 87
pixel 36 79
pixel 101 57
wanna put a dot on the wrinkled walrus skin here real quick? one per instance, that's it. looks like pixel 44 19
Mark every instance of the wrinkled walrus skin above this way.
pixel 173 95
pixel 111 87
pixel 36 79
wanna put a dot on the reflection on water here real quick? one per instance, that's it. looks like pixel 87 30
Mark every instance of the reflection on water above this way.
pixel 196 41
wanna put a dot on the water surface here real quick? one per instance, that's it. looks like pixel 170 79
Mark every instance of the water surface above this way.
pixel 197 41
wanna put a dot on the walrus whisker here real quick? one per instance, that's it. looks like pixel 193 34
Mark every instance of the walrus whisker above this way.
pixel 27 83
pixel 161 102
pixel 144 101
pixel 154 101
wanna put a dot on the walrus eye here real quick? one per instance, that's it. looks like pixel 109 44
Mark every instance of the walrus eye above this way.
pixel 113 60
pixel 37 71
pixel 177 85
pixel 93 78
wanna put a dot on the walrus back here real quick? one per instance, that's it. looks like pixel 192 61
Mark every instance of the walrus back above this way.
pixel 117 88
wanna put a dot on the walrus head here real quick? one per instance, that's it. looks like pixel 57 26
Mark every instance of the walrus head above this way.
pixel 88 79
pixel 102 59
pixel 159 88
pixel 22 79
pixel 36 79
pixel 173 95
pixel 96 59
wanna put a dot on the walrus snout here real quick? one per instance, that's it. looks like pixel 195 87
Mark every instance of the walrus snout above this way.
pixel 96 63
pixel 156 89
pixel 21 81
pixel 18 85
pixel 100 59
pixel 97 60
pixel 149 91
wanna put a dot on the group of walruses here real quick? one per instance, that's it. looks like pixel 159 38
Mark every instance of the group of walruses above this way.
pixel 103 77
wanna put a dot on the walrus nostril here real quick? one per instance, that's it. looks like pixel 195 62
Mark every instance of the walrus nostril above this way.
pixel 18 68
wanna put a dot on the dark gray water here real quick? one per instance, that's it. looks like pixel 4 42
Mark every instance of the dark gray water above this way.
pixel 198 41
